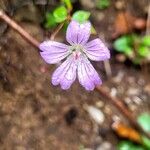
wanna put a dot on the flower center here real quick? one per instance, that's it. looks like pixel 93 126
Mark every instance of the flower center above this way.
pixel 76 50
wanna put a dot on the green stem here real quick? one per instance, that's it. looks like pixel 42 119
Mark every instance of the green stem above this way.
pixel 68 4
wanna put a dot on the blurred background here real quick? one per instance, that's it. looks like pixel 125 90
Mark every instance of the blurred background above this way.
pixel 35 115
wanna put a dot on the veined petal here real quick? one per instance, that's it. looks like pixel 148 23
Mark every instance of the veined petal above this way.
pixel 65 74
pixel 78 33
pixel 53 52
pixel 87 75
pixel 96 50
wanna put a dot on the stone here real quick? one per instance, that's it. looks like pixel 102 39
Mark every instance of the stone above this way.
pixel 105 146
pixel 96 114
pixel 113 92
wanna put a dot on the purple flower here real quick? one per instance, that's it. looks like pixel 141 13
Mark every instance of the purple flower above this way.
pixel 77 54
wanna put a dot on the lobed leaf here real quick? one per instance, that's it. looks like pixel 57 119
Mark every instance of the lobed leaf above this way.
pixel 146 40
pixel 124 45
pixel 50 21
pixel 81 16
pixel 60 14
pixel 144 121
pixel 128 145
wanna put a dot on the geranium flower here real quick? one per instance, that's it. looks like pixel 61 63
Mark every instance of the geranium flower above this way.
pixel 77 56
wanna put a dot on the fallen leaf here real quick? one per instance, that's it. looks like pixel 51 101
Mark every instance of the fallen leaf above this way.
pixel 126 132
pixel 125 22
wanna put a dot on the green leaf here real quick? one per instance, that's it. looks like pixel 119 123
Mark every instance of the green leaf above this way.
pixel 146 40
pixel 60 14
pixel 50 21
pixel 144 121
pixel 128 51
pixel 124 45
pixel 81 16
pixel 143 51
pixel 127 145
pixel 102 4
pixel 146 142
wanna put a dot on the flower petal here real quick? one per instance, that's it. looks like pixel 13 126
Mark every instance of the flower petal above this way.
pixel 96 50
pixel 53 52
pixel 78 33
pixel 65 74
pixel 87 75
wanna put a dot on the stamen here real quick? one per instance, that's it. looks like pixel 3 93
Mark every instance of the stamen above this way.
pixel 76 50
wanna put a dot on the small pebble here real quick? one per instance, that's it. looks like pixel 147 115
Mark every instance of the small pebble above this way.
pixel 133 91
pixel 113 92
pixel 105 146
pixel 96 114
pixel 116 118
pixel 137 100
pixel 119 4
pixel 119 77
pixel 100 104
pixel 132 107
pixel 98 15
pixel 107 110
pixel 128 100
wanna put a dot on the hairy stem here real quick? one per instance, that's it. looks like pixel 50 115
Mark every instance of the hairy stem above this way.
pixel 19 29
pixel 53 35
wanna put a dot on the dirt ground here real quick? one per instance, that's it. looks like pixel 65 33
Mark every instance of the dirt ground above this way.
pixel 35 115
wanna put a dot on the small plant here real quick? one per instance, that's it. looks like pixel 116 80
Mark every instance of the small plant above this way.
pixel 49 21
pixel 102 4
pixel 77 53
pixel 128 145
pixel 144 121
pixel 62 14
pixel 134 140
pixel 134 47
pixel 59 15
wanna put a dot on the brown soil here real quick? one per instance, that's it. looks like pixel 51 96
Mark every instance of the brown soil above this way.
pixel 36 115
